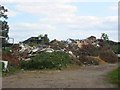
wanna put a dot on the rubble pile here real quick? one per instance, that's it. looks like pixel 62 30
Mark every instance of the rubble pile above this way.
pixel 90 51
pixel 12 59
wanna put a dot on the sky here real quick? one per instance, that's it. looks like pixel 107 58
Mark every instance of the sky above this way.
pixel 62 19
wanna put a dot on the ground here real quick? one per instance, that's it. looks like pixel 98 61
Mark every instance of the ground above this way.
pixel 82 77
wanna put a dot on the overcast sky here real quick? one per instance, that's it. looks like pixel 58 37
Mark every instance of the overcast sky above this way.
pixel 62 19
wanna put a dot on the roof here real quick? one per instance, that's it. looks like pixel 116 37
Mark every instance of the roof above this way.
pixel 31 39
pixel 91 37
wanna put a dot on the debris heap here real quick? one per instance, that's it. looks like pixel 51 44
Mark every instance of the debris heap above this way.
pixel 90 51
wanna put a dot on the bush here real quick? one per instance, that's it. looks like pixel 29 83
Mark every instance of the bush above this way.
pixel 6 50
pixel 46 60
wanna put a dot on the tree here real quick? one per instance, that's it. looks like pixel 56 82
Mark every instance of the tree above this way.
pixel 46 39
pixel 4 27
pixel 40 36
pixel 104 37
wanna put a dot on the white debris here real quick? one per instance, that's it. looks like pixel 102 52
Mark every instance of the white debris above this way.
pixel 23 47
pixel 98 45
pixel 28 59
pixel 35 50
pixel 50 50
pixel 5 65
pixel 70 52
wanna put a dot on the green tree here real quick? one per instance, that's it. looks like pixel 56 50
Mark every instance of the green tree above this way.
pixel 46 39
pixel 40 36
pixel 4 27
pixel 104 37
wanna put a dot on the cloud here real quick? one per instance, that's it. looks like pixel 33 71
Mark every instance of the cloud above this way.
pixel 62 13
pixel 35 1
pixel 113 8
pixel 59 19
pixel 73 23
pixel 22 31
pixel 111 19
pixel 12 13
pixel 49 10
pixel 84 25
pixel 32 27
pixel 53 1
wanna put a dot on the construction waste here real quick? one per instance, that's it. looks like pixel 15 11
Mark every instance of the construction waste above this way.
pixel 90 51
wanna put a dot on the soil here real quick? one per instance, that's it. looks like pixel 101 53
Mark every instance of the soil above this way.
pixel 80 77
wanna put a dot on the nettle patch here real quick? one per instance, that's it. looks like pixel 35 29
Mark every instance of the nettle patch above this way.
pixel 57 60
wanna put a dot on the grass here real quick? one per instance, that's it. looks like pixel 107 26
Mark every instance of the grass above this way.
pixel 12 70
pixel 6 50
pixel 114 76
pixel 0 69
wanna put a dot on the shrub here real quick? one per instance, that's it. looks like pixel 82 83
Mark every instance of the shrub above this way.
pixel 46 60
pixel 6 50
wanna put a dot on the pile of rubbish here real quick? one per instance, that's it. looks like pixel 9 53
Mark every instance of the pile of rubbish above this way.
pixel 88 51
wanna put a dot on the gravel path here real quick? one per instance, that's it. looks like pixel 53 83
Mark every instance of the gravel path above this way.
pixel 84 77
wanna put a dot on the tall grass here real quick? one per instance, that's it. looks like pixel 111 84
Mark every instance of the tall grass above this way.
pixel 114 76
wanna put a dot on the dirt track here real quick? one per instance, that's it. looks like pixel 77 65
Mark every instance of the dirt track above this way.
pixel 85 77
